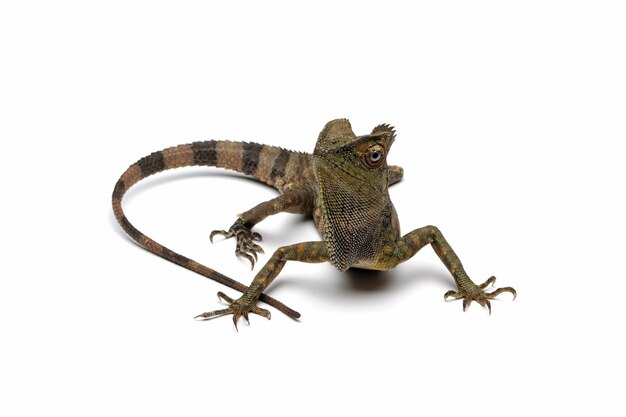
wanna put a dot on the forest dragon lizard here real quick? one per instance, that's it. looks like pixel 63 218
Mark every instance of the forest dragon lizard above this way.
pixel 343 185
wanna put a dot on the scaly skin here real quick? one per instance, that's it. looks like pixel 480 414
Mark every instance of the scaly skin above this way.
pixel 343 185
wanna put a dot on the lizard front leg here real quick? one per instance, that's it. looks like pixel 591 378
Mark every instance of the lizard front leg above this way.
pixel 311 252
pixel 412 242
pixel 297 201
pixel 395 174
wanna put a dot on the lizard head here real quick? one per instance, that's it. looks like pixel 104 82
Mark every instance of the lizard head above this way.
pixel 361 157
pixel 352 179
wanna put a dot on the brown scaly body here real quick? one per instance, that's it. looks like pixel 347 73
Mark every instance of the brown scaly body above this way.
pixel 343 185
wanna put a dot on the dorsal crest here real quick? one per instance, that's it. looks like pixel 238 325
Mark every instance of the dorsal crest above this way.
pixel 336 133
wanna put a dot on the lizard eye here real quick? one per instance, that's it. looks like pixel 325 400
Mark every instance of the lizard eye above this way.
pixel 374 156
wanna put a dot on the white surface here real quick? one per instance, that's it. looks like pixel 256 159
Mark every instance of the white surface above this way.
pixel 510 122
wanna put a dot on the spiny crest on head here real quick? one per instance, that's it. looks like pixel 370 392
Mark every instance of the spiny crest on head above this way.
pixel 336 133
pixel 386 128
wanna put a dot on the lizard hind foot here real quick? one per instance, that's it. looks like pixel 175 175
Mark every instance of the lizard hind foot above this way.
pixel 246 247
pixel 238 308
pixel 473 292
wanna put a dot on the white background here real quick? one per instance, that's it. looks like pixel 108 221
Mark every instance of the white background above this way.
pixel 510 121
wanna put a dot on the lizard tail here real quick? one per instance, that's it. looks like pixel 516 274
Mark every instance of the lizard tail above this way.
pixel 232 155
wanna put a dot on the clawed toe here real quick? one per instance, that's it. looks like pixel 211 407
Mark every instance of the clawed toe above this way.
pixel 484 303
pixel 220 232
pixel 252 258
pixel 238 308
pixel 499 291
pixel 223 297
pixel 490 281
pixel 246 247
pixel 476 293
pixel 213 314
pixel 451 293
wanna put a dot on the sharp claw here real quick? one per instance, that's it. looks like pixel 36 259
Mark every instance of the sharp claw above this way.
pixel 261 312
pixel 487 283
pixel 218 232
pixel 235 318
pixel 499 291
pixel 243 250
pixel 256 248
pixel 256 236
pixel 451 294
pixel 466 303
pixel 488 306
pixel 247 256
pixel 223 297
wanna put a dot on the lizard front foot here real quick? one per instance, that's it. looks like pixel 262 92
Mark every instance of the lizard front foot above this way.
pixel 245 240
pixel 238 308
pixel 469 292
